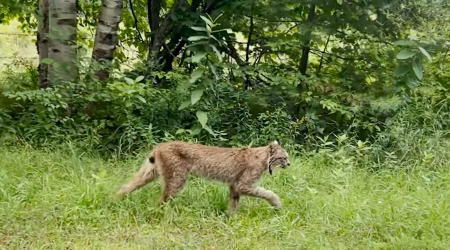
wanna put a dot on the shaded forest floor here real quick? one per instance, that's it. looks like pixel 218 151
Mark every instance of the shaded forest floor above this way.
pixel 61 200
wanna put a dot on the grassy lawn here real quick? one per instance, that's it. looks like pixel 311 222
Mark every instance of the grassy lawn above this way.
pixel 61 200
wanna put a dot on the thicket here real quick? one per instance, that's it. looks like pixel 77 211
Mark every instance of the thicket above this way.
pixel 233 73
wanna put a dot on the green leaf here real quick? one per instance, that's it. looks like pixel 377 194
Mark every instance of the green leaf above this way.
pixel 411 83
pixel 207 21
pixel 184 105
pixel 47 61
pixel 425 53
pixel 141 98
pixel 196 38
pixel 207 128
pixel 401 70
pixel 405 43
pixel 198 56
pixel 128 80
pixel 213 69
pixel 196 95
pixel 219 55
pixel 418 69
pixel 208 30
pixel 202 117
pixel 227 30
pixel 339 2
pixel 196 74
pixel 405 54
pixel 139 78
pixel 199 28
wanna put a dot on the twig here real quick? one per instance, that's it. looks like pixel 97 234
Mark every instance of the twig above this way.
pixel 136 22
pixel 323 53
pixel 247 56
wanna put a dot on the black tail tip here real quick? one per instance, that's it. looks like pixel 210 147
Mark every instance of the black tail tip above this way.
pixel 151 159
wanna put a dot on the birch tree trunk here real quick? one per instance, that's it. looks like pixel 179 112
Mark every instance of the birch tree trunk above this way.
pixel 62 40
pixel 106 34
pixel 42 43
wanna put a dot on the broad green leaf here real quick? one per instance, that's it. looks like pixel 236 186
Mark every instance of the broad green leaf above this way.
pixel 47 61
pixel 195 130
pixel 411 83
pixel 425 53
pixel 202 117
pixel 139 78
pixel 207 128
pixel 405 54
pixel 219 55
pixel 128 80
pixel 213 69
pixel 198 56
pixel 196 38
pixel 401 70
pixel 196 95
pixel 141 98
pixel 184 105
pixel 405 43
pixel 199 28
pixel 207 21
pixel 196 74
pixel 418 69
pixel 339 2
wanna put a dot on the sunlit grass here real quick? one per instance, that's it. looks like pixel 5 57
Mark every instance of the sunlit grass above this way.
pixel 59 199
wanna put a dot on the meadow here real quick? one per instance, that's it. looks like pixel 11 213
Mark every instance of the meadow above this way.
pixel 62 199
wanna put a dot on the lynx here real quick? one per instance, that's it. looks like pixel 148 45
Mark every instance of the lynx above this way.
pixel 239 168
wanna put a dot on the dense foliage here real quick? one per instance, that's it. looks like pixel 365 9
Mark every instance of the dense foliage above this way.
pixel 234 72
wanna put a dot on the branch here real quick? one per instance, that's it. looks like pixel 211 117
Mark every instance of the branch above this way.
pixel 249 38
pixel 136 22
pixel 234 54
pixel 323 53
pixel 215 5
pixel 275 21
pixel 162 30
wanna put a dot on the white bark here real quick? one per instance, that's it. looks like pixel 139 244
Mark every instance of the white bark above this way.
pixel 106 34
pixel 63 40
pixel 42 42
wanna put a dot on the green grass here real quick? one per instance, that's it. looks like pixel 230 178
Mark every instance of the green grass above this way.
pixel 61 200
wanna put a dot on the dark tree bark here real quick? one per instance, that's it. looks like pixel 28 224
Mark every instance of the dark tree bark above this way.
pixel 306 47
pixel 249 41
pixel 304 59
pixel 162 31
pixel 153 10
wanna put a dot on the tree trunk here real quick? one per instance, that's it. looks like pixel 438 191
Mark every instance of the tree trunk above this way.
pixel 106 34
pixel 42 43
pixel 153 9
pixel 62 40
pixel 306 41
pixel 162 31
